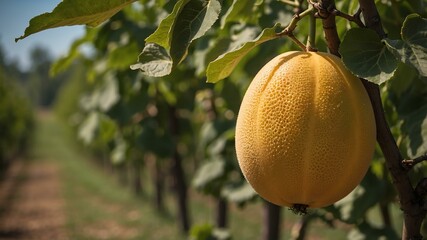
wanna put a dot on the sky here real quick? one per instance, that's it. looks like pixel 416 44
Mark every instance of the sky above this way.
pixel 14 18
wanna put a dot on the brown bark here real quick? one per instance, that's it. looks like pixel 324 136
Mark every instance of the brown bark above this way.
pixel 137 185
pixel 409 202
pixel 331 34
pixel 222 210
pixel 272 221
pixel 180 185
pixel 159 187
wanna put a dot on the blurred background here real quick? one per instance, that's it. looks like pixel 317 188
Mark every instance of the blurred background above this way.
pixel 90 149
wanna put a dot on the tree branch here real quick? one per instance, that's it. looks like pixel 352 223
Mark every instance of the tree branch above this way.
pixel 331 34
pixel 409 163
pixel 411 203
pixel 371 17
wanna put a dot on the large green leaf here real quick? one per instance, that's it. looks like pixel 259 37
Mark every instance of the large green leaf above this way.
pixel 163 33
pixel 196 17
pixel 225 64
pixel 189 20
pixel 240 11
pixel 75 12
pixel 366 56
pixel 412 49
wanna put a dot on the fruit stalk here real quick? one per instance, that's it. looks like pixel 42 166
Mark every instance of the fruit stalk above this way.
pixel 311 44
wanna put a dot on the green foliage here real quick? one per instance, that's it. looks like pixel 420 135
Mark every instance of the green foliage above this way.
pixel 224 65
pixel 189 20
pixel 207 232
pixel 412 49
pixel 16 121
pixel 366 56
pixel 166 108
pixel 72 12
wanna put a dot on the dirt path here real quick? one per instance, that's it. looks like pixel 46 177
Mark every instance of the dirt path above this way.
pixel 31 203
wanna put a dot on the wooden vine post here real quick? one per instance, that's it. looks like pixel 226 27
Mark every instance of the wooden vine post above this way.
pixel 411 199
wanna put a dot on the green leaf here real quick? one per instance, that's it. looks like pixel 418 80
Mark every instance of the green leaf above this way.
pixel 240 11
pixel 413 49
pixel 402 79
pixel 108 93
pixel 225 64
pixel 123 56
pixel 119 153
pixel 366 56
pixel 241 194
pixel 75 12
pixel 63 63
pixel 415 125
pixel 189 20
pixel 207 173
pixel 87 129
pixel 162 34
pixel 195 18
pixel 154 61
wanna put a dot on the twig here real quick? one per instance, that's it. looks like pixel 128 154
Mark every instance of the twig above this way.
pixel 295 3
pixel 409 163
pixel 352 18
pixel 288 31
pixel 325 8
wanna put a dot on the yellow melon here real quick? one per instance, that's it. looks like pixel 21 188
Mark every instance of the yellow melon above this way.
pixel 305 132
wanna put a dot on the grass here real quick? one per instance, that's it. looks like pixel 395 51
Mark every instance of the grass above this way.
pixel 98 207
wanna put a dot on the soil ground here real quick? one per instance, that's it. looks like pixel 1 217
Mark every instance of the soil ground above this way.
pixel 31 203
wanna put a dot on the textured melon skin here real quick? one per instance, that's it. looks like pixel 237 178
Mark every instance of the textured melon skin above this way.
pixel 306 131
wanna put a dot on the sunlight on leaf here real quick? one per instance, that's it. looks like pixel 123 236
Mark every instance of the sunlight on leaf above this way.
pixel 154 61
pixel 195 18
pixel 225 64
pixel 75 12
pixel 189 20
